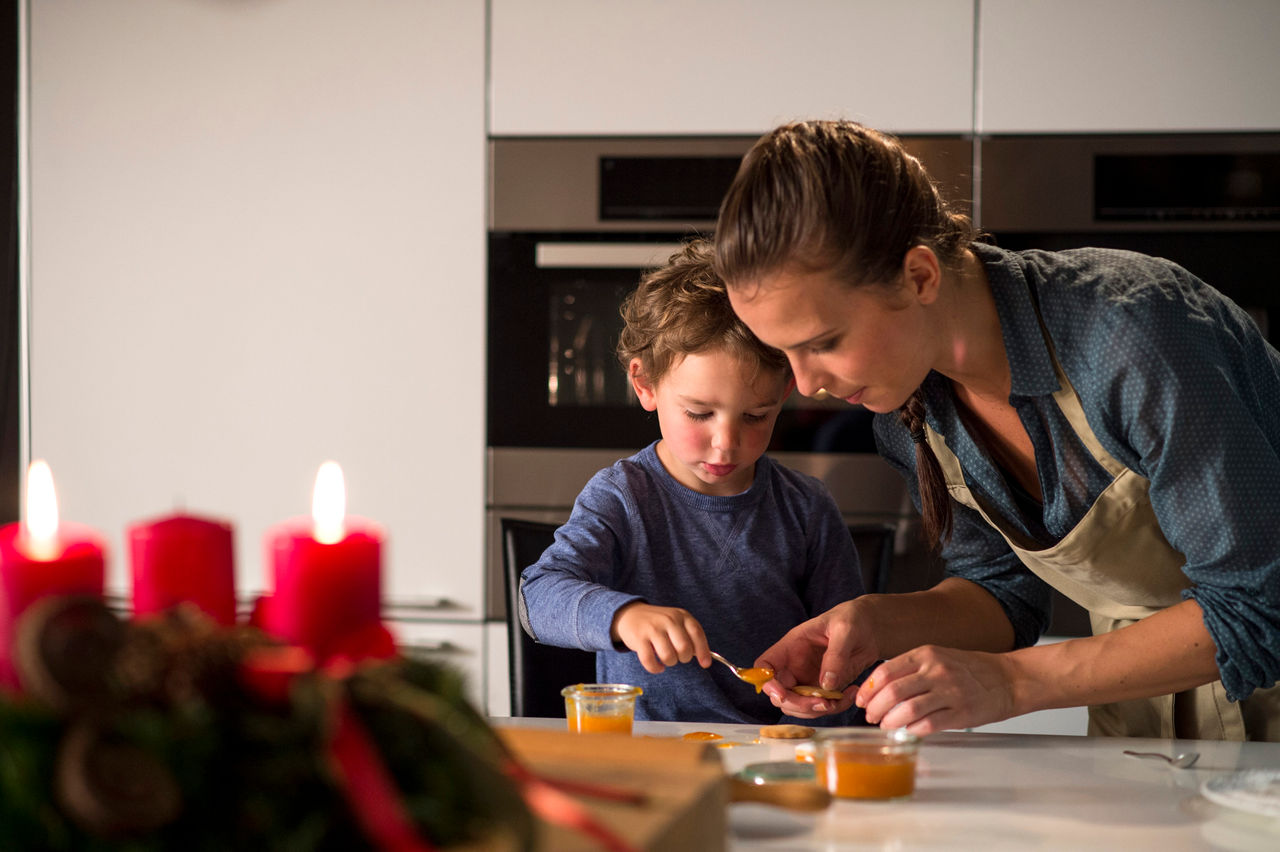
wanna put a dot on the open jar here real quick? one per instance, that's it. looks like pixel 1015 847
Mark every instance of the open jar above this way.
pixel 600 708
pixel 868 764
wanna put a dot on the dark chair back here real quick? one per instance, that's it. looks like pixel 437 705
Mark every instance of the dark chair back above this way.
pixel 538 672
pixel 874 543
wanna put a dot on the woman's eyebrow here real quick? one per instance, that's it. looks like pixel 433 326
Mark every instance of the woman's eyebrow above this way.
pixel 808 341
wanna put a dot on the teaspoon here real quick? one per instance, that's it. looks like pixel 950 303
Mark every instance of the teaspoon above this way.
pixel 1183 760
pixel 757 677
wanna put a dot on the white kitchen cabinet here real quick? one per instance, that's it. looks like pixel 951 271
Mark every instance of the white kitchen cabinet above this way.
pixel 585 67
pixel 257 243
pixel 497 669
pixel 458 646
pixel 1128 66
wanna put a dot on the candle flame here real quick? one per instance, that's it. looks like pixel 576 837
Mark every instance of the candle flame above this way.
pixel 41 521
pixel 329 504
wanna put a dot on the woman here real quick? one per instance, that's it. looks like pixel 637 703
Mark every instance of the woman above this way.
pixel 1095 420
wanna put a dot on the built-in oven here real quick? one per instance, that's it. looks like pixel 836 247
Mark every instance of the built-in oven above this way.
pixel 572 225
pixel 1209 202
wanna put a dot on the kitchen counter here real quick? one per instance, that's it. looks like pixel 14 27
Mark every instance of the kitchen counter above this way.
pixel 1008 792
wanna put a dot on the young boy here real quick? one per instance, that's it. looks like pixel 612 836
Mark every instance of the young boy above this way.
pixel 699 541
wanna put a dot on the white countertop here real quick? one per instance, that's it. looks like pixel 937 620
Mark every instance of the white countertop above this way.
pixel 1009 792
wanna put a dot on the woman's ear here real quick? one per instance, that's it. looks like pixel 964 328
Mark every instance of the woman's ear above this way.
pixel 642 386
pixel 922 273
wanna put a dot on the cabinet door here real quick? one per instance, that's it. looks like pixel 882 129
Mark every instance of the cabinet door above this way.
pixel 583 67
pixel 1128 65
pixel 459 646
pixel 497 669
pixel 257 243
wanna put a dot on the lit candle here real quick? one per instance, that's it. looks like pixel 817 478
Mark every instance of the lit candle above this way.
pixel 39 557
pixel 327 571
pixel 183 558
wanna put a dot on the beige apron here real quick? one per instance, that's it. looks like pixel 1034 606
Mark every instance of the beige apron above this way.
pixel 1117 564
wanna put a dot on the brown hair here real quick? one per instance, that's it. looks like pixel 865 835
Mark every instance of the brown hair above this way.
pixel 837 197
pixel 682 308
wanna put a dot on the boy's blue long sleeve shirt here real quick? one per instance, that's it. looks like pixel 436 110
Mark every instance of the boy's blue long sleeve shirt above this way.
pixel 748 567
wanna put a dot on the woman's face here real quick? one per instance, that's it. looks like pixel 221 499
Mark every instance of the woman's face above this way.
pixel 866 345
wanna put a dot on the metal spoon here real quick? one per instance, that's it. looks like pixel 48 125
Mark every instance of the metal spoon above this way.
pixel 1184 760
pixel 755 677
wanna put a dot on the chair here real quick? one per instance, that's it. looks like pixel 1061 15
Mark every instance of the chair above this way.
pixel 538 672
pixel 874 543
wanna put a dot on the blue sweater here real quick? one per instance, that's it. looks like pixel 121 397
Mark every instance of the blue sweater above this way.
pixel 749 567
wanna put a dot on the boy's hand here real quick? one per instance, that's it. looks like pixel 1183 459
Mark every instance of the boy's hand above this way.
pixel 661 636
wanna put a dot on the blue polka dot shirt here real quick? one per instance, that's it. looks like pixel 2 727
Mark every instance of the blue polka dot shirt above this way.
pixel 1179 385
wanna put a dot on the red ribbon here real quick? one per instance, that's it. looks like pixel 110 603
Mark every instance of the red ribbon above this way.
pixel 371 791
pixel 546 798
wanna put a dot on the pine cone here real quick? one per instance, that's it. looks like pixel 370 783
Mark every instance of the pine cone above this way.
pixel 66 648
pixel 183 656
pixel 112 787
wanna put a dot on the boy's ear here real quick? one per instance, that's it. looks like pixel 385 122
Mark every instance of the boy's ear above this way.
pixel 641 385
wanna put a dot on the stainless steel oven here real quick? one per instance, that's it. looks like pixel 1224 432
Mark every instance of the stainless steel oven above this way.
pixel 572 224
pixel 1210 202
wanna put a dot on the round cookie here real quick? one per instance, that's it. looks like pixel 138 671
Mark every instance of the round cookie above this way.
pixel 786 732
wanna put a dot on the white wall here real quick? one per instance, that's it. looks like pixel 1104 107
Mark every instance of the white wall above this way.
pixel 257 242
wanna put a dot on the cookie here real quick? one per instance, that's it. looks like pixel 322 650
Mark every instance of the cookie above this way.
pixel 786 732
pixel 816 692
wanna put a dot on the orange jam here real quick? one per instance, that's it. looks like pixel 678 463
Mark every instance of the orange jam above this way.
pixel 701 735
pixel 600 708
pixel 871 776
pixel 583 723
pixel 757 677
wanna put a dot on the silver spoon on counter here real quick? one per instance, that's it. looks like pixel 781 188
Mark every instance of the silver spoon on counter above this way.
pixel 1183 760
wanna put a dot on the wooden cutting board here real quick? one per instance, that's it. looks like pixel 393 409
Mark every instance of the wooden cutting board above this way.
pixel 684 785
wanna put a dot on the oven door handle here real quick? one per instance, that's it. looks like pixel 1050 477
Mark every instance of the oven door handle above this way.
pixel 565 255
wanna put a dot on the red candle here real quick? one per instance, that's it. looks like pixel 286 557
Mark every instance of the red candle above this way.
pixel 183 558
pixel 327 572
pixel 40 557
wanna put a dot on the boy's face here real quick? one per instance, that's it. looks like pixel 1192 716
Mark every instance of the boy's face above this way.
pixel 716 420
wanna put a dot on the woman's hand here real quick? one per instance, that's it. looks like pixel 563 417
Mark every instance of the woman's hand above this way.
pixel 661 636
pixel 828 651
pixel 932 689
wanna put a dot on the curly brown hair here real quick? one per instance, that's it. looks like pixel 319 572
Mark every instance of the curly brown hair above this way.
pixel 681 308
